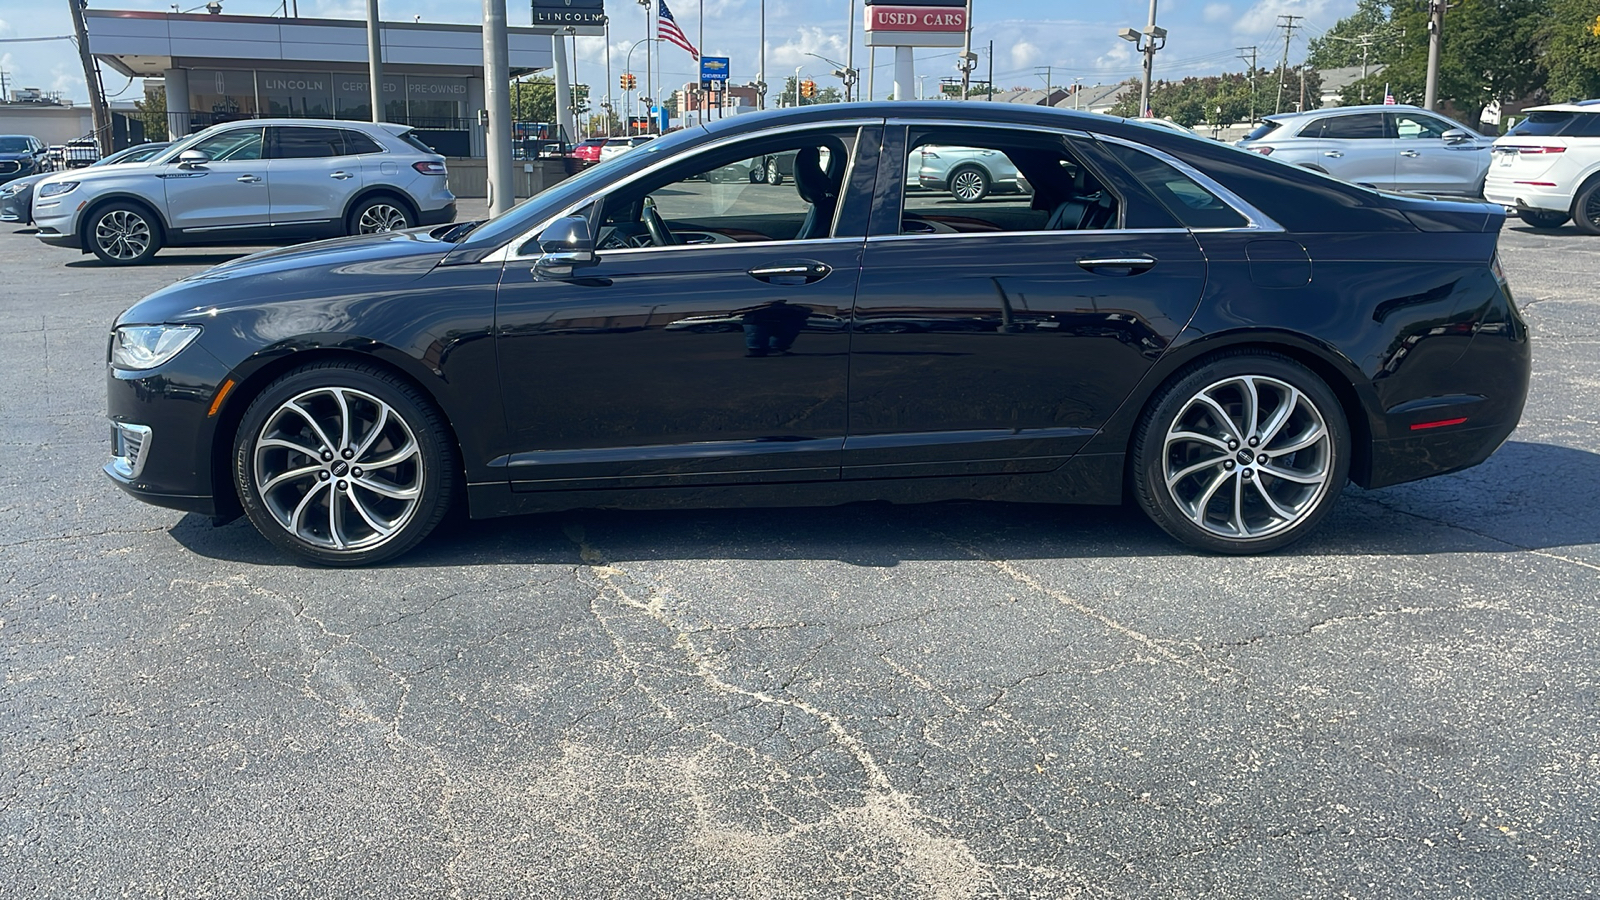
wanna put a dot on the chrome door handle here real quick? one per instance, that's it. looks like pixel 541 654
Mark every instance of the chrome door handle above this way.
pixel 1409 153
pixel 249 179
pixel 791 273
pixel 1120 265
pixel 1333 153
pixel 341 175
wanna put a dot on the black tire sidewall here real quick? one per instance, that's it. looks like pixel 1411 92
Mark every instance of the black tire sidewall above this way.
pixel 1148 476
pixel 774 175
pixel 157 236
pixel 419 414
pixel 1580 204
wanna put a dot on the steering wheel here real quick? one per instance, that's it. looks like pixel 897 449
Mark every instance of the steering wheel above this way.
pixel 657 226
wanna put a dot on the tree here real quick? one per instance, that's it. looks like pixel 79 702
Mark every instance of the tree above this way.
pixel 153 113
pixel 1340 45
pixel 533 100
pixel 1218 99
pixel 1571 49
pixel 824 94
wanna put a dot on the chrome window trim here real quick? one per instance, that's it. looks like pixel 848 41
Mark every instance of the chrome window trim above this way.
pixel 1259 221
pixel 507 252
pixel 630 251
pixel 1006 234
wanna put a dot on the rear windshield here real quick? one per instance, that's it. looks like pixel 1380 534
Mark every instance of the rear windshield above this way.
pixel 1262 130
pixel 411 138
pixel 1543 124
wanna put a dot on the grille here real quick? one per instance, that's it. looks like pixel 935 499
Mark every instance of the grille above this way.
pixel 7 166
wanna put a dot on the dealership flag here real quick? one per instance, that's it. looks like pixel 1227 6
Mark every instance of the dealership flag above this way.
pixel 667 29
pixel 1388 98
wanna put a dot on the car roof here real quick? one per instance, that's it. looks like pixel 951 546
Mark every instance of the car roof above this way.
pixel 1344 110
pixel 390 127
pixel 1574 106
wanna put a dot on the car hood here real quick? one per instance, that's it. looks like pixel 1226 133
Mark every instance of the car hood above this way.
pixel 18 184
pixel 349 266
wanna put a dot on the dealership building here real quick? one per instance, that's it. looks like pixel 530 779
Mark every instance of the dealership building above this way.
pixel 218 68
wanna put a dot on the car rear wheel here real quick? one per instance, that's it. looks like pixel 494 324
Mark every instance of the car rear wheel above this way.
pixel 123 234
pixel 343 464
pixel 1540 218
pixel 377 215
pixel 969 185
pixel 774 175
pixel 1586 208
pixel 1244 454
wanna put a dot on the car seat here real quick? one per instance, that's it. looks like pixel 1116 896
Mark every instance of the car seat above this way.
pixel 818 187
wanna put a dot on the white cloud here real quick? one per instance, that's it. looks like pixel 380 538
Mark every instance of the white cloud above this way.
pixel 1263 17
pixel 1120 56
pixel 1025 55
pixel 807 39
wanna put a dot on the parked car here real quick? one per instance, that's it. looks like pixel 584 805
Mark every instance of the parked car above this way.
pixel 1398 147
pixel 1168 124
pixel 969 174
pixel 238 182
pixel 1547 167
pixel 21 155
pixel 588 151
pixel 1223 338
pixel 16 197
pixel 619 145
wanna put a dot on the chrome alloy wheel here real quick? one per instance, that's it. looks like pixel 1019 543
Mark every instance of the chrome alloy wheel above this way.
pixel 1247 457
pixel 338 468
pixel 381 217
pixel 122 234
pixel 968 185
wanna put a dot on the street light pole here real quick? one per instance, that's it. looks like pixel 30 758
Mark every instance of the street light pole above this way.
pixel 1148 41
pixel 497 96
pixel 761 76
pixel 375 60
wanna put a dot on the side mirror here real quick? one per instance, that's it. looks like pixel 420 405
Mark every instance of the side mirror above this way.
pixel 188 159
pixel 564 246
pixel 1456 136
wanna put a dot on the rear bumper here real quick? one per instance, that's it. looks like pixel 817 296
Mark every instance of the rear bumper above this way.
pixel 1527 196
pixel 441 216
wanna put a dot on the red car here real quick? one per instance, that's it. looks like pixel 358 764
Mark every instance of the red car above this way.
pixel 588 151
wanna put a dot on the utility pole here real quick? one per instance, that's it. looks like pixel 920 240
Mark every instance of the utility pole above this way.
pixel 1148 41
pixel 375 59
pixel 1251 59
pixel 1287 23
pixel 1303 86
pixel 761 77
pixel 611 108
pixel 991 72
pixel 91 77
pixel 969 60
pixel 1049 73
pixel 1436 9
pixel 850 57
pixel 497 97
pixel 1364 41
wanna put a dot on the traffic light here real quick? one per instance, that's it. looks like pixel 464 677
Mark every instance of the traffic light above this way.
pixel 629 81
pixel 808 89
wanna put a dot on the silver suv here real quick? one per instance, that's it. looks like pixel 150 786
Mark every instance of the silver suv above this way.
pixel 239 182
pixel 968 173
pixel 1396 148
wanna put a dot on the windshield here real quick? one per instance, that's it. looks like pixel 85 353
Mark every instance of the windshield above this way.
pixel 130 155
pixel 14 145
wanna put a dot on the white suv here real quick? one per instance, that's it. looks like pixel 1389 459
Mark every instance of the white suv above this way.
pixel 239 182
pixel 1547 167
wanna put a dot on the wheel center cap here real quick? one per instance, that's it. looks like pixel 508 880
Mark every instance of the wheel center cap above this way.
pixel 341 468
pixel 1245 457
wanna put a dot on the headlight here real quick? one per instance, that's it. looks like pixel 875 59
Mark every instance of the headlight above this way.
pixel 57 187
pixel 8 190
pixel 148 346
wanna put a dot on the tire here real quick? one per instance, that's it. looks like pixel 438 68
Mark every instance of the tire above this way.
pixel 123 234
pixel 758 175
pixel 1194 475
pixel 969 184
pixel 1540 218
pixel 378 214
pixel 774 174
pixel 298 467
pixel 1586 208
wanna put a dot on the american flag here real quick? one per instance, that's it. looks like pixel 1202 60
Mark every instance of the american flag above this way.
pixel 1388 98
pixel 667 29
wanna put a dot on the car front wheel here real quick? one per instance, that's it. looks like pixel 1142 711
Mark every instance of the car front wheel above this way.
pixel 774 174
pixel 969 185
pixel 123 234
pixel 343 464
pixel 1244 454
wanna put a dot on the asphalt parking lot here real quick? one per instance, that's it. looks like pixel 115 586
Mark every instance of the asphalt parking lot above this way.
pixel 963 700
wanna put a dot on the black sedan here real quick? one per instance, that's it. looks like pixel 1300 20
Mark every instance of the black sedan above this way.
pixel 1223 338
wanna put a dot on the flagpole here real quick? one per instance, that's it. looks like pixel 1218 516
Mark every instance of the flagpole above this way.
pixel 649 71
pixel 700 42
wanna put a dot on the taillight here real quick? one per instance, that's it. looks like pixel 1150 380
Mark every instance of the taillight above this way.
pixel 1534 151
pixel 1264 151
pixel 430 168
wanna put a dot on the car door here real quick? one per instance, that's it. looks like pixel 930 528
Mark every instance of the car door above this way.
pixel 228 191
pixel 709 345
pixel 997 336
pixel 1357 147
pixel 313 174
pixel 1426 162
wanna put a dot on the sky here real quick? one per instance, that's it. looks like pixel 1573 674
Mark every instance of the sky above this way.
pixel 1076 38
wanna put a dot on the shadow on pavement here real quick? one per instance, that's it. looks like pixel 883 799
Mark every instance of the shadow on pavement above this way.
pixel 1528 496
pixel 170 259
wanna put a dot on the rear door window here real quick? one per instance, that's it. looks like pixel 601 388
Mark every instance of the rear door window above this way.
pixel 1412 127
pixel 1193 204
pixel 295 142
pixel 1362 126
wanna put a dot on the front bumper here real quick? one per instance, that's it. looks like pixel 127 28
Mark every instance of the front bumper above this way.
pixel 162 432
pixel 57 221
